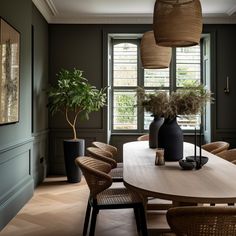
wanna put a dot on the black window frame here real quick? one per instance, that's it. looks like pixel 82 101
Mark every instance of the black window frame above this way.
pixel 140 82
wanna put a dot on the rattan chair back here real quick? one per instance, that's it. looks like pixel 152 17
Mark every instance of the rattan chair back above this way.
pixel 144 137
pixel 202 221
pixel 95 173
pixel 101 152
pixel 103 197
pixel 102 155
pixel 234 162
pixel 216 147
pixel 229 155
pixel 106 147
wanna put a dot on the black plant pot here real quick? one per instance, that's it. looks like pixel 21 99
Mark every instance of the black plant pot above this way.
pixel 170 137
pixel 73 149
pixel 153 131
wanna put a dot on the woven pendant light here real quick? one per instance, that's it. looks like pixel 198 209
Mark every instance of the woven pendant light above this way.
pixel 152 55
pixel 177 23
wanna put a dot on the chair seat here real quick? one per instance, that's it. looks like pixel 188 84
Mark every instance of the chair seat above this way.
pixel 120 165
pixel 116 174
pixel 117 196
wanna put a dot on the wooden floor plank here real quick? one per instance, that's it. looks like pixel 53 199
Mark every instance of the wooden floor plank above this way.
pixel 58 208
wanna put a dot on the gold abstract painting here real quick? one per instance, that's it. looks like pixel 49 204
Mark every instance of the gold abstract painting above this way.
pixel 9 72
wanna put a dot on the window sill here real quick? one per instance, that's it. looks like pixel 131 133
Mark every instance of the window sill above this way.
pixel 187 133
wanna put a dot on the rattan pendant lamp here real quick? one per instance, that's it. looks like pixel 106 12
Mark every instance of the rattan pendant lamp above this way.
pixel 177 23
pixel 152 55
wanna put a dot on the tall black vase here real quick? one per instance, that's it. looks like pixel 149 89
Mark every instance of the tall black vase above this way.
pixel 73 149
pixel 153 131
pixel 170 137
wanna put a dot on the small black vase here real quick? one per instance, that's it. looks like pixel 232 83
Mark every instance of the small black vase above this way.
pixel 170 137
pixel 153 131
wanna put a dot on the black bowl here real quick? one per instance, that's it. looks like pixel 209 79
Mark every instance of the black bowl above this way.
pixel 204 159
pixel 187 165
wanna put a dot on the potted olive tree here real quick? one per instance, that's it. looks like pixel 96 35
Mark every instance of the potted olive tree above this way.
pixel 76 98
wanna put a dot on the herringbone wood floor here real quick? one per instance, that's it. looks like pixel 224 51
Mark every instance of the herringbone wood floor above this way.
pixel 58 208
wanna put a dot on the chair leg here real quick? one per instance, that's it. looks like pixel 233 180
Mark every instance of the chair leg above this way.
pixel 93 221
pixel 137 218
pixel 143 221
pixel 86 220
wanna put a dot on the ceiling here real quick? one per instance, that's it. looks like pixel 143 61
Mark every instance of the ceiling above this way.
pixel 124 11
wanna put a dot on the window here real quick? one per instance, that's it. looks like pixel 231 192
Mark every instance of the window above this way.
pixel 127 74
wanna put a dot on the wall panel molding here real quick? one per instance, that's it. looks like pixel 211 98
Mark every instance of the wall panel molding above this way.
pixel 40 156
pixel 16 144
pixel 16 201
pixel 16 187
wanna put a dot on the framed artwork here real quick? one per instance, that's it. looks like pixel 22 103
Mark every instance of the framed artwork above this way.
pixel 9 73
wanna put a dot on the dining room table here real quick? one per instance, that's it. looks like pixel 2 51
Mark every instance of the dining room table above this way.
pixel 213 183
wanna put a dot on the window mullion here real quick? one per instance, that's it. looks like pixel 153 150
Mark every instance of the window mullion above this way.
pixel 173 79
pixel 140 82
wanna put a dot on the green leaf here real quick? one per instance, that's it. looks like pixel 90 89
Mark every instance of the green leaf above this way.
pixel 74 93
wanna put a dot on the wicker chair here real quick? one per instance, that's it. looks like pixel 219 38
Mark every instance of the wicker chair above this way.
pixel 202 221
pixel 116 172
pixel 144 137
pixel 234 162
pixel 229 155
pixel 108 148
pixel 103 197
pixel 216 147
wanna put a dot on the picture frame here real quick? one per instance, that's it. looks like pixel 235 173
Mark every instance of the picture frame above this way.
pixel 9 73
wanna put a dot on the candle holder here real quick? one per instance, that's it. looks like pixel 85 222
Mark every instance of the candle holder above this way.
pixel 196 161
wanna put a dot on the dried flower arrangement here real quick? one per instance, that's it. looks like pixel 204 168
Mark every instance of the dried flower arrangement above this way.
pixel 187 101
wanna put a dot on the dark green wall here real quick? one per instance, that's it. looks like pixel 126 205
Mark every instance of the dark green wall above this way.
pixel 12 11
pixel 40 71
pixel 39 96
pixel 20 146
pixel 223 59
pixel 82 46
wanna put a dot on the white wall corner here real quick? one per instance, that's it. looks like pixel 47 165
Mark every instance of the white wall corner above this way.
pixel 44 9
pixel 231 11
